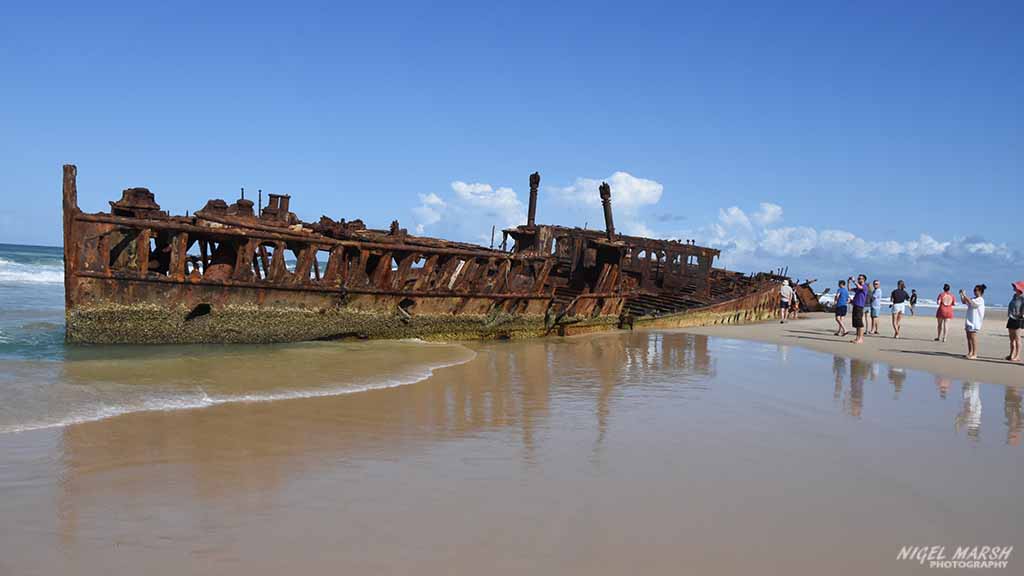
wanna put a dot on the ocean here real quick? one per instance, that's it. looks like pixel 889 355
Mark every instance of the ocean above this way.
pixel 31 302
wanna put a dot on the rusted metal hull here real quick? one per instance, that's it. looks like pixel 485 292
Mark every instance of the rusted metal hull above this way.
pixel 232 274
pixel 134 311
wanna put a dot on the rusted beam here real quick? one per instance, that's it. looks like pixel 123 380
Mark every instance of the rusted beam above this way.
pixel 180 226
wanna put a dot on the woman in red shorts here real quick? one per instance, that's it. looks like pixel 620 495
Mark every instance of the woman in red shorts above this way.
pixel 946 300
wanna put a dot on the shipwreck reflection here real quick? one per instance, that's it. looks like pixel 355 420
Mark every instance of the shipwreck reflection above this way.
pixel 257 447
pixel 512 391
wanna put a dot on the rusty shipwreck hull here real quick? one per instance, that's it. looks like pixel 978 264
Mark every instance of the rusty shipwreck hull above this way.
pixel 229 273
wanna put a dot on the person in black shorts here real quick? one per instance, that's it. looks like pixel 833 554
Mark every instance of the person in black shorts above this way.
pixel 913 301
pixel 842 298
pixel 860 299
pixel 1015 320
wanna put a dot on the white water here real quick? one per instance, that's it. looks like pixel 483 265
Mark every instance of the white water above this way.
pixel 19 273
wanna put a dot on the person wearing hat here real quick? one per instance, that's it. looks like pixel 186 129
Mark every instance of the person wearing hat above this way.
pixel 786 293
pixel 1015 320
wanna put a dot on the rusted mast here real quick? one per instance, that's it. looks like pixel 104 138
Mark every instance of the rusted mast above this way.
pixel 606 203
pixel 531 217
pixel 70 193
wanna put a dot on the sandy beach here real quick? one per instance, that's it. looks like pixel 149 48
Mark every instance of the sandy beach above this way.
pixel 916 347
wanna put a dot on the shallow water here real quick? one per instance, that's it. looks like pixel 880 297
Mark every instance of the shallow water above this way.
pixel 650 452
pixel 660 452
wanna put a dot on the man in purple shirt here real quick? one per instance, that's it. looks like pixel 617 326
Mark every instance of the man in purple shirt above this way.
pixel 860 299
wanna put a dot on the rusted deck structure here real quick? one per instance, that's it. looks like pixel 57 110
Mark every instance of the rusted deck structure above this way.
pixel 244 273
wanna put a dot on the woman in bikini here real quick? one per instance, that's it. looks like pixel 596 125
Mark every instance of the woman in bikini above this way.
pixel 946 300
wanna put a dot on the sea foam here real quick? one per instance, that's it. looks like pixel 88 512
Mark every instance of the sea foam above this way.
pixel 20 273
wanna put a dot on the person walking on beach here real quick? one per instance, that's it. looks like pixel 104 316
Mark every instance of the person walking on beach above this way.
pixel 975 317
pixel 899 298
pixel 786 293
pixel 860 299
pixel 913 301
pixel 842 298
pixel 944 314
pixel 1015 320
pixel 876 306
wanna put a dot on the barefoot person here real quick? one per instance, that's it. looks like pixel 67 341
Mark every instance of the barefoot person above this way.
pixel 974 319
pixel 913 301
pixel 1015 320
pixel 876 306
pixel 867 307
pixel 786 293
pixel 860 299
pixel 899 298
pixel 842 298
pixel 945 312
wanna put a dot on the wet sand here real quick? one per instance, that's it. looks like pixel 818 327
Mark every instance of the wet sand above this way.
pixel 644 452
pixel 916 348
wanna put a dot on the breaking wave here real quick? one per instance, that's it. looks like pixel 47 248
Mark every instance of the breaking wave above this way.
pixel 46 272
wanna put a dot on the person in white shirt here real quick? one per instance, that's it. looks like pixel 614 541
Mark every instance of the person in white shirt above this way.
pixel 975 316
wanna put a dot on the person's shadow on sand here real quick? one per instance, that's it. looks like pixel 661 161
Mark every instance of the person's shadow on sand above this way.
pixel 950 355
pixel 815 332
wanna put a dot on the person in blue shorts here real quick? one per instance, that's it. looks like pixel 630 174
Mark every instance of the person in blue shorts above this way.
pixel 875 300
pixel 842 297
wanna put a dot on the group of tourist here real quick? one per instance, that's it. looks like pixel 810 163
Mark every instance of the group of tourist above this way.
pixel 866 304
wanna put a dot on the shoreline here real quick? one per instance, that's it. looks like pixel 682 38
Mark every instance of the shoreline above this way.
pixel 915 349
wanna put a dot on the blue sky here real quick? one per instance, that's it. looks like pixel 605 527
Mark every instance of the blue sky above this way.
pixel 830 137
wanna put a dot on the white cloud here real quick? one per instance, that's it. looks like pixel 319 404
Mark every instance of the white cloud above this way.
pixel 768 214
pixel 791 241
pixel 734 217
pixel 429 211
pixel 629 194
pixel 469 212
pixel 473 207
pixel 628 191
pixel 750 242
pixel 633 228
pixel 501 204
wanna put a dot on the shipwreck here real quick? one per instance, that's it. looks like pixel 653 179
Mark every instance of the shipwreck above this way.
pixel 241 272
